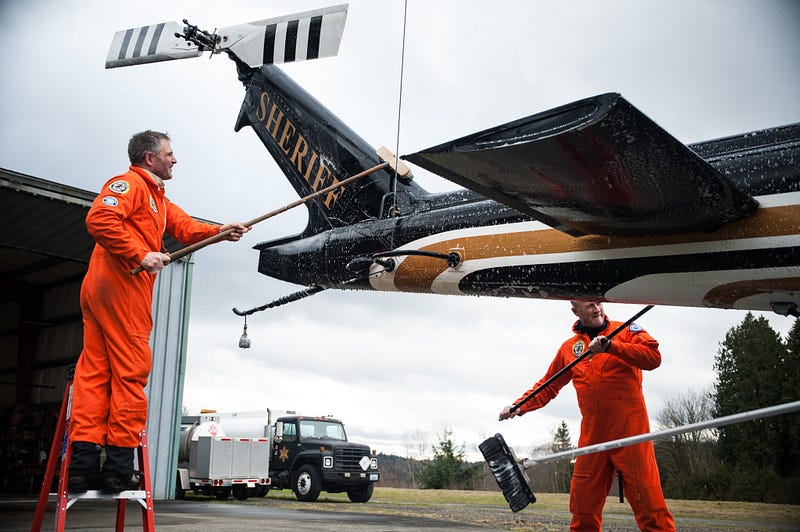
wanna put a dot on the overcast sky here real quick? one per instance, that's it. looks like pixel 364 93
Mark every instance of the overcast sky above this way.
pixel 392 366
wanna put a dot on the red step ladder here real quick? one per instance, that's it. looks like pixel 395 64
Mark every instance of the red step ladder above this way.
pixel 60 449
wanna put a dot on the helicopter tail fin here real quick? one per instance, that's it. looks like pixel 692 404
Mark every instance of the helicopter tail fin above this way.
pixel 315 149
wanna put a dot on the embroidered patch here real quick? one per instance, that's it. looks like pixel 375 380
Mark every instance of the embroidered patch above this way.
pixel 111 201
pixel 120 186
pixel 578 348
pixel 153 205
pixel 635 328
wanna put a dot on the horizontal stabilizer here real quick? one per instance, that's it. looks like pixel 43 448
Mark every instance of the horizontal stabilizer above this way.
pixel 596 166
pixel 149 44
pixel 308 35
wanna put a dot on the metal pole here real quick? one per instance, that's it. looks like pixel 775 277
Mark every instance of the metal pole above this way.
pixel 701 425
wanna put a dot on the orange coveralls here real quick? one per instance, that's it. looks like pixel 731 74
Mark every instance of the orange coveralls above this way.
pixel 127 220
pixel 609 390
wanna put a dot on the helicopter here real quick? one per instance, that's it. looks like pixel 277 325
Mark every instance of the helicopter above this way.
pixel 591 200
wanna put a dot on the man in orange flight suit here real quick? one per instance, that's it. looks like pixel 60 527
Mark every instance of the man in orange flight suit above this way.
pixel 609 388
pixel 127 220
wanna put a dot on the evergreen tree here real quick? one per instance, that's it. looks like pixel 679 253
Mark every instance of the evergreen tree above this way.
pixel 448 469
pixel 562 469
pixel 750 369
pixel 789 424
pixel 561 439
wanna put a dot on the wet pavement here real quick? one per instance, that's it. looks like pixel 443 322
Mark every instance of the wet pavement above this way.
pixel 17 514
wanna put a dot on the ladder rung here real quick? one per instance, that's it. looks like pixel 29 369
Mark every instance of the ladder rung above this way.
pixel 97 494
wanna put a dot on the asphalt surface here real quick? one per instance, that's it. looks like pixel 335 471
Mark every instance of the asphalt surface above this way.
pixel 17 514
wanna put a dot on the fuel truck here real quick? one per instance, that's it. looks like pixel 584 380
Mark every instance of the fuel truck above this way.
pixel 246 454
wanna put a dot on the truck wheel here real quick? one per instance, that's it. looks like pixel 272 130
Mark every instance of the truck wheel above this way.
pixel 180 493
pixel 262 491
pixel 306 483
pixel 240 493
pixel 362 493
pixel 222 493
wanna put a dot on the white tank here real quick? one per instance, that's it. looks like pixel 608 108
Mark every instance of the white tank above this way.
pixel 246 424
pixel 205 425
pixel 255 424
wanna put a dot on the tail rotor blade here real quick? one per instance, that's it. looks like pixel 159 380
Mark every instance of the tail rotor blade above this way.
pixel 307 35
pixel 149 44
pixel 291 38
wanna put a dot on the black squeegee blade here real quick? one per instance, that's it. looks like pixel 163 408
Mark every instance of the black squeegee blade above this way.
pixel 507 472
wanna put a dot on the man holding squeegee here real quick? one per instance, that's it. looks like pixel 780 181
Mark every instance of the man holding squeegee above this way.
pixel 127 220
pixel 608 382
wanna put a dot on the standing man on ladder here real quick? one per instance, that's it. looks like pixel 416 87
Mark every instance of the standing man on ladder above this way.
pixel 608 384
pixel 127 220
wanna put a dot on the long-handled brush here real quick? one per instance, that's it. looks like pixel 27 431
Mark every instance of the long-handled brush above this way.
pixel 507 471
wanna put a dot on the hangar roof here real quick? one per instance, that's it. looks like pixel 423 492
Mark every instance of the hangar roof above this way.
pixel 43 239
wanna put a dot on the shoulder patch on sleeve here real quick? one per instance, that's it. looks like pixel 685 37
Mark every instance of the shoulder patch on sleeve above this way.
pixel 578 348
pixel 111 201
pixel 119 186
pixel 635 328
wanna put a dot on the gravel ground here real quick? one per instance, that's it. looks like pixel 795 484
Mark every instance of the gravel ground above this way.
pixel 532 518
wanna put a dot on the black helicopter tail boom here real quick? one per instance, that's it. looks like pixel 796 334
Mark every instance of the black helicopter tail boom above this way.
pixel 315 149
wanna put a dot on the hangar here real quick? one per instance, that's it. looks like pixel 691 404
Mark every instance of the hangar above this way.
pixel 44 254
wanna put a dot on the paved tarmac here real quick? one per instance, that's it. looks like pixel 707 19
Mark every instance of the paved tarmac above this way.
pixel 17 514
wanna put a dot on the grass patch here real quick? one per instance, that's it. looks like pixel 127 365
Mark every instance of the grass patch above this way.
pixel 490 508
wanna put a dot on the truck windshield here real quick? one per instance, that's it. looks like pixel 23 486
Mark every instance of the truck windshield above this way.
pixel 312 428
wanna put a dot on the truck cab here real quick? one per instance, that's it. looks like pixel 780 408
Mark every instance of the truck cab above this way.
pixel 312 454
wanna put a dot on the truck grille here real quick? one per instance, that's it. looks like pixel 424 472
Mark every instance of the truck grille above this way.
pixel 346 458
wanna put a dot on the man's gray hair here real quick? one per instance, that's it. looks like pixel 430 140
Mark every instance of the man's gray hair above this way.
pixel 146 141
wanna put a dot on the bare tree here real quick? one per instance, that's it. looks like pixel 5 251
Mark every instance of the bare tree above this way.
pixel 691 452
pixel 417 448
pixel 552 476
pixel 685 408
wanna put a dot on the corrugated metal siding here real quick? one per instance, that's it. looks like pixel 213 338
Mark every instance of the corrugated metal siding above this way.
pixel 165 387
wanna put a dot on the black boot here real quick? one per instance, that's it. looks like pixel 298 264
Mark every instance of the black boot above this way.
pixel 118 470
pixel 84 466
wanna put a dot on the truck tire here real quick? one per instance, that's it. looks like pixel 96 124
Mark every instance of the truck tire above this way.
pixel 240 492
pixel 222 494
pixel 180 493
pixel 362 493
pixel 306 483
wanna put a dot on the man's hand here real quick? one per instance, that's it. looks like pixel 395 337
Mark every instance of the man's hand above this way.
pixel 506 413
pixel 599 344
pixel 154 262
pixel 238 230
